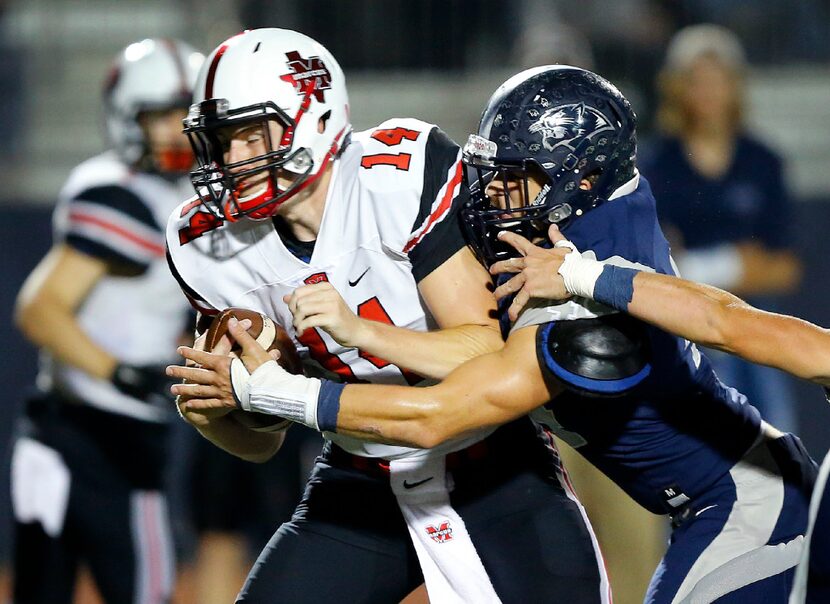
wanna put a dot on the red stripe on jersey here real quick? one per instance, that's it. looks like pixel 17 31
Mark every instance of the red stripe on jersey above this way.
pixel 440 211
pixel 151 246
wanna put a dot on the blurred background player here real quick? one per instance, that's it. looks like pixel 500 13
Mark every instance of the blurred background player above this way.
pixel 721 196
pixel 90 455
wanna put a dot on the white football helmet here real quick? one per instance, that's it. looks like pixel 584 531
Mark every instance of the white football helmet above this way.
pixel 256 78
pixel 150 75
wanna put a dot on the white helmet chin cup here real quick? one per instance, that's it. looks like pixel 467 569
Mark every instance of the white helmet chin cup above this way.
pixel 277 66
pixel 153 74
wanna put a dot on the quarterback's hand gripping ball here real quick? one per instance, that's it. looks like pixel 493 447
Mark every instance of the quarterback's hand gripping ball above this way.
pixel 271 337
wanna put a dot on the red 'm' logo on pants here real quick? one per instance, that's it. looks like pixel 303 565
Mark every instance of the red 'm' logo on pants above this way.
pixel 440 534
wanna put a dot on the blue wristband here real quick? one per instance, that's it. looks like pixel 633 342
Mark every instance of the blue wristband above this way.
pixel 615 287
pixel 328 405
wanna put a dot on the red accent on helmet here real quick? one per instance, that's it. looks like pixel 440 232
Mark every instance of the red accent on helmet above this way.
pixel 214 64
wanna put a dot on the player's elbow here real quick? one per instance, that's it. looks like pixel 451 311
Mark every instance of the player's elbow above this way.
pixel 29 314
pixel 266 447
pixel 724 333
pixel 475 341
pixel 487 339
pixel 435 425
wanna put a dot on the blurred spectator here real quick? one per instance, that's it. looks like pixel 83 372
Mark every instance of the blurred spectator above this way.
pixel 721 195
pixel 545 39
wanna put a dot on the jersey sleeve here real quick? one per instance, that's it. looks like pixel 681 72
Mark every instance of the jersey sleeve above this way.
pixel 189 255
pixel 112 223
pixel 436 233
pixel 199 304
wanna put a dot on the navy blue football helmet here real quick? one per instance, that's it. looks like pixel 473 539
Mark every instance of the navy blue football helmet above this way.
pixel 558 125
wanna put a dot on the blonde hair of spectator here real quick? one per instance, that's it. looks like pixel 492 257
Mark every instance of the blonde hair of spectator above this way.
pixel 686 48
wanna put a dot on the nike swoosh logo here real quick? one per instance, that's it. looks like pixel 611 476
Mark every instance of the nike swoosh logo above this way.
pixel 356 281
pixel 412 485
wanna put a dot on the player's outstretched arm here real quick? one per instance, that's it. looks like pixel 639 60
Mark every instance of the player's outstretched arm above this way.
pixel 458 298
pixel 715 318
pixel 488 390
pixel 700 313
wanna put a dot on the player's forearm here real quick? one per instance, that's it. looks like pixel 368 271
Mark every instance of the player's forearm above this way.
pixel 787 343
pixel 237 440
pixel 715 318
pixel 390 414
pixel 691 310
pixel 432 354
pixel 487 391
pixel 55 328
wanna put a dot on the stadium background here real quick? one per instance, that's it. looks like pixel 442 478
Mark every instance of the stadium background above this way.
pixel 434 59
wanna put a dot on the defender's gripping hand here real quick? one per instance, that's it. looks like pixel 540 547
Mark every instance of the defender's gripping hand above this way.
pixel 218 381
pixel 536 270
pixel 320 305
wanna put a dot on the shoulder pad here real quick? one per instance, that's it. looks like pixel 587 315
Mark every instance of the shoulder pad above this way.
pixel 606 355
pixel 393 155
pixel 190 221
pixel 408 134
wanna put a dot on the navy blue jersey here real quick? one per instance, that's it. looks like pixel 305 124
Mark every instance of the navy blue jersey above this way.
pixel 679 429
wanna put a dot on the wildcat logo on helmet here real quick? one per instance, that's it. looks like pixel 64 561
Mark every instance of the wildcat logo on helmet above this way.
pixel 305 69
pixel 562 124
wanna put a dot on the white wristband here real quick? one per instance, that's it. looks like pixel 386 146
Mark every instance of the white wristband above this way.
pixel 274 391
pixel 240 379
pixel 580 274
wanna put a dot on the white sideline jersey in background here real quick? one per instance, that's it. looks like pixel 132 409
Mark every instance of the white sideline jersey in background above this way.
pixel 111 212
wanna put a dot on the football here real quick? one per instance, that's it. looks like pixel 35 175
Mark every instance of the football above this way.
pixel 270 336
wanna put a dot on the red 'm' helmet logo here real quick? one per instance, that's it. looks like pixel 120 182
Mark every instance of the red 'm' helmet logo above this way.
pixel 305 69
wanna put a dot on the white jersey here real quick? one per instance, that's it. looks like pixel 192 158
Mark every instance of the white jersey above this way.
pixel 390 218
pixel 136 312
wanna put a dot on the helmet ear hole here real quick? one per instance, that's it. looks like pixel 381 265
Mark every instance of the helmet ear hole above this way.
pixel 590 179
pixel 324 119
